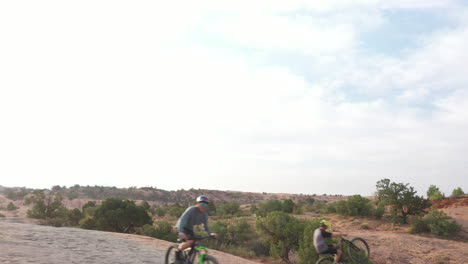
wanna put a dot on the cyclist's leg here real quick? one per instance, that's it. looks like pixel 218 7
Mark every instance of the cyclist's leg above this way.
pixel 338 255
pixel 186 244
pixel 187 241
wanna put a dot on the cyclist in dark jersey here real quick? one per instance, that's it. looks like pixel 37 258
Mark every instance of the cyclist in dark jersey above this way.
pixel 194 215
pixel 320 236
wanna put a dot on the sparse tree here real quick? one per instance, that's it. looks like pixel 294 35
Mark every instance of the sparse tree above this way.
pixel 282 231
pixel 401 198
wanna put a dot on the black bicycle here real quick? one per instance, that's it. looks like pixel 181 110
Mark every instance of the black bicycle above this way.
pixel 357 250
pixel 192 255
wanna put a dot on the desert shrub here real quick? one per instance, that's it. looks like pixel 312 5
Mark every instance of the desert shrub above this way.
pixel 288 206
pixel 354 206
pixel 161 230
pixel 74 216
pixel 433 193
pixel 124 216
pixel 229 210
pixel 440 223
pixel 2 215
pixel 282 231
pixel 378 212
pixel 436 222
pixel 232 233
pixel 259 247
pixel 457 192
pixel 418 225
pixel 11 207
pixel 268 207
pixel 89 209
pixel 88 223
pixel 365 226
pixel 176 210
pixel 46 206
pixel 159 211
pixel 17 194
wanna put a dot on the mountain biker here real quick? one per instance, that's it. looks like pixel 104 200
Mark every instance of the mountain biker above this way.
pixel 194 215
pixel 320 234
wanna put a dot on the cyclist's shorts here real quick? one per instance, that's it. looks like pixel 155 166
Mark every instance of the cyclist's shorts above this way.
pixel 189 233
pixel 330 250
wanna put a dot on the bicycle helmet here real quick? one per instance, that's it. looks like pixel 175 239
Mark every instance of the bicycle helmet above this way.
pixel 325 223
pixel 203 199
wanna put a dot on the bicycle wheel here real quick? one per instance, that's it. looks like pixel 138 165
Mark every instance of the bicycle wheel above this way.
pixel 210 260
pixel 325 261
pixel 358 250
pixel 171 255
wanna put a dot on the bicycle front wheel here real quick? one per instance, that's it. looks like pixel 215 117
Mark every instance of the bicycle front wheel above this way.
pixel 171 255
pixel 325 261
pixel 210 260
pixel 358 250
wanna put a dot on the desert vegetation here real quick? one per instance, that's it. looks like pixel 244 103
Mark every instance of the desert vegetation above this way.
pixel 248 227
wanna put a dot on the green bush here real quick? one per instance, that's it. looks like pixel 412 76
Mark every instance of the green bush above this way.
pixel 229 210
pixel 268 207
pixel 440 223
pixel 378 212
pixel 283 233
pixel 436 222
pixel 259 247
pixel 74 216
pixel 354 206
pixel 176 210
pixel 433 193
pixel 457 192
pixel 160 230
pixel 418 225
pixel 124 216
pixel 2 215
pixel 47 206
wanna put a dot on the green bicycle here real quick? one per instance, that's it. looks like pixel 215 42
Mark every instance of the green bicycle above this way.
pixel 357 250
pixel 196 254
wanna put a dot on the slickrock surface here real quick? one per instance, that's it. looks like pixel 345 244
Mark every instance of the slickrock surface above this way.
pixel 29 243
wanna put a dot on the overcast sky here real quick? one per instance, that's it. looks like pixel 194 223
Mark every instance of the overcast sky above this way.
pixel 276 96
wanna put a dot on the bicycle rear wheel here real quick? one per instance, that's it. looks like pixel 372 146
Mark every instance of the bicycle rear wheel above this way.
pixel 358 250
pixel 325 261
pixel 171 255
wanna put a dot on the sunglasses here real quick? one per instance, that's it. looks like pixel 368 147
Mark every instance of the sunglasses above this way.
pixel 204 204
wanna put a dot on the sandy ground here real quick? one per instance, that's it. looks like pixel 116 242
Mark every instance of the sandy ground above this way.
pixel 30 243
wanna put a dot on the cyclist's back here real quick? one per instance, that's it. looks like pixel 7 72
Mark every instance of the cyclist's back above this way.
pixel 191 217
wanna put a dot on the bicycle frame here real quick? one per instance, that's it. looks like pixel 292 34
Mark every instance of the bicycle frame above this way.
pixel 203 252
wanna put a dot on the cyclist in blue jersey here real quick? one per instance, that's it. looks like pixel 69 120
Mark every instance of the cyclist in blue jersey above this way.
pixel 194 215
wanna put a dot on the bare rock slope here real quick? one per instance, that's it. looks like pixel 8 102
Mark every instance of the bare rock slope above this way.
pixel 29 243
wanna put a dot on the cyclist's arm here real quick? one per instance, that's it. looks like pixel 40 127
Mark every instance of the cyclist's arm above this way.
pixel 336 235
pixel 205 225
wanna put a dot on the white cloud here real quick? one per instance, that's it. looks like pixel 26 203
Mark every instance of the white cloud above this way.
pixel 168 97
